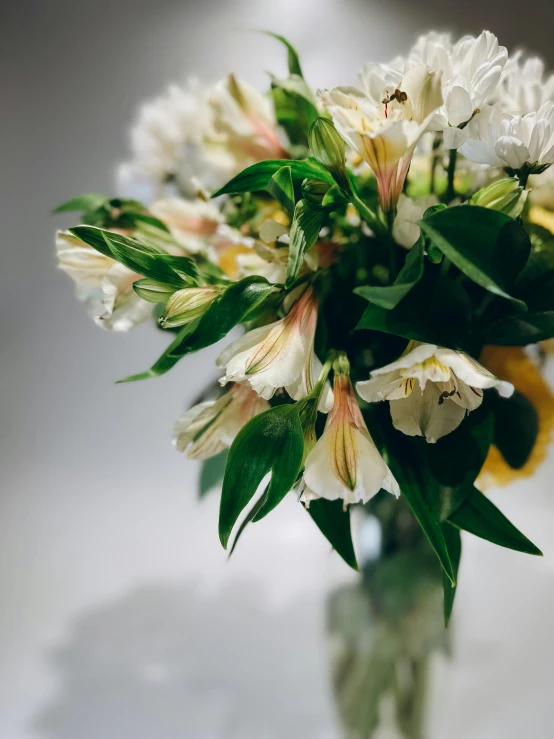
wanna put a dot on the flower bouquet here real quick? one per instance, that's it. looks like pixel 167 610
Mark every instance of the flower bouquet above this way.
pixel 388 251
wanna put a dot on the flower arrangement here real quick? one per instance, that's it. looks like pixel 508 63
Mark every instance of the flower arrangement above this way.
pixel 389 251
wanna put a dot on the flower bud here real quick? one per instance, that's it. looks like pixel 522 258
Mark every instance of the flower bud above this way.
pixel 314 191
pixel 152 291
pixel 187 304
pixel 505 195
pixel 327 146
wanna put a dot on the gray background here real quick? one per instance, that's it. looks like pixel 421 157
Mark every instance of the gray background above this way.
pixel 120 615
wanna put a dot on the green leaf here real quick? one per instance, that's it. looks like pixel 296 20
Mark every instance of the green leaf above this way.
pixel 422 493
pixel 257 176
pixel 282 189
pixel 410 274
pixel 520 329
pixel 235 305
pixel 211 473
pixel 334 196
pixel 304 230
pixel 293 59
pixel 456 459
pixel 479 516
pixel 516 426
pixel 270 442
pixel 488 246
pixel 453 541
pixel 83 203
pixel 334 523
pixel 435 311
pixel 145 259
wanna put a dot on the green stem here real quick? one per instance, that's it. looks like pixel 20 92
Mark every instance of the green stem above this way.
pixel 434 161
pixel 366 213
pixel 445 266
pixel 524 177
pixel 450 191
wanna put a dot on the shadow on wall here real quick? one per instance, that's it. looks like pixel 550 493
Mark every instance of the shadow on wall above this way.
pixel 169 663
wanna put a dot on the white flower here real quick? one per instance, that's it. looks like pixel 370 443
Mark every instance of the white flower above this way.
pixel 86 266
pixel 277 355
pixel 168 142
pixel 208 428
pixel 405 230
pixel 243 123
pixel 431 389
pixel 122 308
pixel 499 139
pixel 384 131
pixel 270 254
pixel 469 69
pixel 345 463
pixel 105 284
pixel 523 86
pixel 192 223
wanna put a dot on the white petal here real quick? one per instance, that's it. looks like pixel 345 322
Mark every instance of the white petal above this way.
pixel 319 473
pixel 459 107
pixel 454 137
pixel 471 372
pixel 191 423
pixel 481 152
pixel 373 473
pixel 419 353
pixel 512 151
pixel 420 414
pixel 381 387
pixel 123 309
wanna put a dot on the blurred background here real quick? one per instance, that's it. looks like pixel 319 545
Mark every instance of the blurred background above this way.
pixel 121 616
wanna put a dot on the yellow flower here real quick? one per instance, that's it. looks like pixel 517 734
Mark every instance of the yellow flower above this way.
pixel 513 364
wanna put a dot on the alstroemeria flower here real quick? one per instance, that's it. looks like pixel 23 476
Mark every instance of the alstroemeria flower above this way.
pixel 431 389
pixel 208 428
pixel 384 133
pixel 106 285
pixel 405 230
pixel 469 70
pixel 269 255
pixel 243 123
pixel 277 355
pixel 345 463
pixel 192 223
pixel 514 142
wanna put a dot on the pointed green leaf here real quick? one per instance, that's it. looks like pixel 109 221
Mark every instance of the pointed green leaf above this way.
pixel 453 541
pixel 479 516
pixel 516 426
pixel 142 258
pixel 421 491
pixel 521 329
pixel 257 176
pixel 435 311
pixel 233 307
pixel 334 523
pixel 410 274
pixel 282 189
pixel 83 203
pixel 304 230
pixel 486 245
pixel 293 58
pixel 211 473
pixel 270 442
